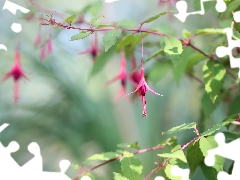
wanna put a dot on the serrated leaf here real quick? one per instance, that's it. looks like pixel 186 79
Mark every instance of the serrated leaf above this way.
pixel 209 172
pixel 227 121
pixel 172 47
pixel 169 141
pixel 80 35
pixel 101 157
pixel 94 19
pixel 186 34
pixel 158 71
pixel 104 25
pixel 101 61
pixel 207 144
pixel 126 23
pixel 207 105
pixel 118 176
pixel 210 31
pixel 155 54
pixel 155 17
pixel 125 41
pixel 194 156
pixel 111 37
pixel 180 128
pixel 213 76
pixel 131 168
pixel 179 70
pixel 212 130
pixel 70 19
pixel 177 154
pixel 231 136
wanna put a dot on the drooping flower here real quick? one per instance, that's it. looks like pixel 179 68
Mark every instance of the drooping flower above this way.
pixel 43 52
pixel 93 50
pixel 122 76
pixel 38 40
pixel 135 76
pixel 49 44
pixel 17 73
pixel 142 90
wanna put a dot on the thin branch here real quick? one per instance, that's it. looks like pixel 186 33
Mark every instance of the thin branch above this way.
pixel 115 159
pixel 168 159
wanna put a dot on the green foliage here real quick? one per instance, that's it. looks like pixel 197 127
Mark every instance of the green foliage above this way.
pixel 70 19
pixel 213 76
pixel 80 35
pixel 131 167
pixel 155 17
pixel 133 145
pixel 89 175
pixel 210 31
pixel 111 37
pixel 101 60
pixel 127 23
pixel 118 176
pixel 194 156
pixel 186 34
pixel 172 47
pixel 101 157
pixel 180 128
pixel 94 19
pixel 176 155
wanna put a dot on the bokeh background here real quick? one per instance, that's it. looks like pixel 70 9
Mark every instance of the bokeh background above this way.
pixel 69 114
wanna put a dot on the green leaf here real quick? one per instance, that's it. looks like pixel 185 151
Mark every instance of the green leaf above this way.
pixel 213 76
pixel 104 25
pixel 177 155
pixel 111 37
pixel 179 70
pixel 155 54
pixel 131 167
pixel 125 41
pixel 209 172
pixel 212 130
pixel 101 60
pixel 94 19
pixel 207 144
pixel 155 17
pixel 70 19
pixel 158 71
pixel 194 156
pixel 227 121
pixel 231 136
pixel 118 176
pixel 80 35
pixel 101 157
pixel 89 175
pixel 186 34
pixel 127 23
pixel 234 106
pixel 172 47
pixel 207 105
pixel 180 128
pixel 210 31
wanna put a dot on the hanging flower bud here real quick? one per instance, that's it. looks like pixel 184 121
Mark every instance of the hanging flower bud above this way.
pixel 122 76
pixel 49 44
pixel 43 53
pixel 38 40
pixel 17 73
pixel 142 90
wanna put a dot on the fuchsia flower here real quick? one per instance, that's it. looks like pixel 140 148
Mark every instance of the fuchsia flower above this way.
pixel 43 52
pixel 49 44
pixel 38 40
pixel 17 73
pixel 142 90
pixel 122 76
pixel 94 51
pixel 135 76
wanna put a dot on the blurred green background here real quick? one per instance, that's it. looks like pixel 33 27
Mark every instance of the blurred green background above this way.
pixel 70 115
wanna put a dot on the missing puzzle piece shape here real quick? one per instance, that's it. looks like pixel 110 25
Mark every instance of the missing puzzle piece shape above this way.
pixel 184 173
pixel 228 150
pixel 222 51
pixel 182 6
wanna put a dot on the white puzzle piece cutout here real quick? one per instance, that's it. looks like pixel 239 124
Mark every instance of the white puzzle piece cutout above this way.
pixel 184 173
pixel 182 6
pixel 228 150
pixel 33 169
pixel 222 51
pixel 159 178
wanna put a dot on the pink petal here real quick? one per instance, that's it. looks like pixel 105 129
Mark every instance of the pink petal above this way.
pixel 148 88
pixel 16 91
pixel 144 106
pixel 111 81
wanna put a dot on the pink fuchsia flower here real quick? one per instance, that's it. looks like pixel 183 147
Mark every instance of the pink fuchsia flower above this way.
pixel 122 76
pixel 38 40
pixel 142 90
pixel 135 76
pixel 17 73
pixel 43 52
pixel 93 50
pixel 49 44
